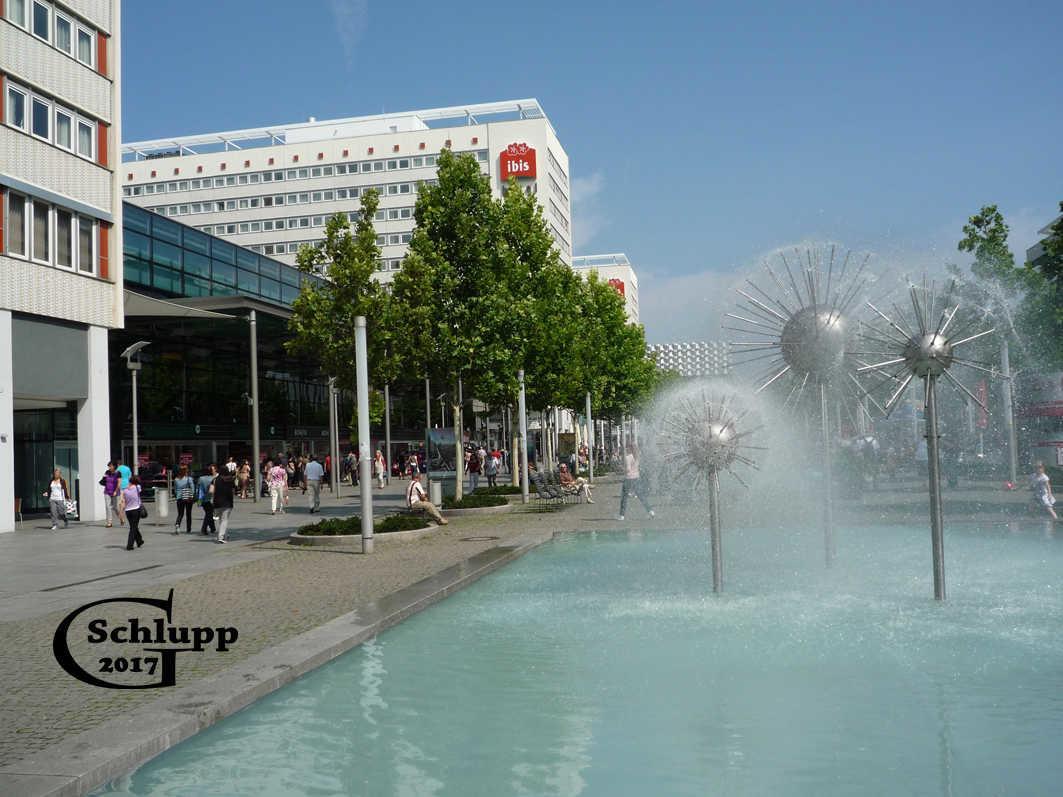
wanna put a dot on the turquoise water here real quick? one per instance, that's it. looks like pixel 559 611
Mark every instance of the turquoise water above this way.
pixel 602 665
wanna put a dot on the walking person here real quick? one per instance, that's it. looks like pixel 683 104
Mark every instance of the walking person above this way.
pixel 184 488
pixel 111 483
pixel 632 483
pixel 277 476
pixel 1041 486
pixel 57 494
pixel 314 473
pixel 417 500
pixel 203 492
pixel 134 511
pixel 491 465
pixel 380 468
pixel 244 476
pixel 223 491
pixel 475 467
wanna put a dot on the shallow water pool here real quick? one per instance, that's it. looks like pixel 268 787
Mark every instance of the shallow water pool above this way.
pixel 603 665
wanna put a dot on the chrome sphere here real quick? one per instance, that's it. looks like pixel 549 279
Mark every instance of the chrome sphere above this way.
pixel 813 342
pixel 714 445
pixel 928 355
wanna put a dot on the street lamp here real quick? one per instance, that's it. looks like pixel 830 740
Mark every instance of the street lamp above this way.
pixel 134 366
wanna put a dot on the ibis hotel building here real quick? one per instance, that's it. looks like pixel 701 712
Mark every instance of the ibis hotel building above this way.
pixel 271 189
pixel 60 246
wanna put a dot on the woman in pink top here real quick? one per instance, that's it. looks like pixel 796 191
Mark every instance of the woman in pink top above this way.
pixel 632 482
pixel 130 504
pixel 277 477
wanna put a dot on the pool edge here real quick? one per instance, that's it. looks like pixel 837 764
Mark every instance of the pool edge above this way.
pixel 86 761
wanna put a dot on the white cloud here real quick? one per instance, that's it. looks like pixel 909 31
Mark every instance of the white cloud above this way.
pixel 352 18
pixel 587 217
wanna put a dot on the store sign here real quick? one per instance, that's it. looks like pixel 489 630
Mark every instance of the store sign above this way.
pixel 517 160
pixel 185 458
pixel 618 285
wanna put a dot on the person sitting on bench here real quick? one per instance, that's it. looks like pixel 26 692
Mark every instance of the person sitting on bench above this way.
pixel 417 500
pixel 574 485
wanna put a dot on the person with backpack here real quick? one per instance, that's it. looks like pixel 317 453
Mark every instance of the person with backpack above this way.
pixel 203 495
pixel 223 493
pixel 185 491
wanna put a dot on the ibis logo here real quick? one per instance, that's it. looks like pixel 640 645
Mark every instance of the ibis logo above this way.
pixel 517 160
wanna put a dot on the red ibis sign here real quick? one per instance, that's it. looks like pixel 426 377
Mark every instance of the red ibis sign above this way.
pixel 618 285
pixel 517 160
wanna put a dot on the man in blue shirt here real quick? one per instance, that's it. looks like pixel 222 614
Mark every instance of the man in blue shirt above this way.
pixel 314 474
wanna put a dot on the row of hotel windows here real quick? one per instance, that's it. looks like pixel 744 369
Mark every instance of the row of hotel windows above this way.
pixel 45 233
pixel 293 247
pixel 49 23
pixel 298 223
pixel 278 200
pixel 44 118
pixel 295 222
pixel 305 173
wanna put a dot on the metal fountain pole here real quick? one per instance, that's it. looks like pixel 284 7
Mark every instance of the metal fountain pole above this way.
pixel 828 478
pixel 387 432
pixel 715 535
pixel 590 441
pixel 256 451
pixel 1009 415
pixel 136 441
pixel 934 470
pixel 333 434
pixel 522 448
pixel 364 474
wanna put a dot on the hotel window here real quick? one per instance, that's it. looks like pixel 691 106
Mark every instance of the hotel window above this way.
pixel 381 240
pixel 86 51
pixel 86 245
pixel 41 119
pixel 16 12
pixel 16 107
pixel 407 237
pixel 255 202
pixel 243 180
pixel 64 238
pixel 315 172
pixel 41 230
pixel 230 204
pixel 328 196
pixel 304 173
pixel 86 139
pixel 64 39
pixel 219 182
pixel 418 162
pixel 171 186
pixel 380 215
pixel 429 160
pixel 378 166
pixel 327 171
pixel 230 180
pixel 393 214
pixel 393 165
pixel 244 204
pixel 393 189
pixel 405 188
pixel 255 177
pixel 342 168
pixel 42 21
pixel 394 240
pixel 404 163
pixel 316 197
pixel 15 234
pixel 406 213
pixel 367 167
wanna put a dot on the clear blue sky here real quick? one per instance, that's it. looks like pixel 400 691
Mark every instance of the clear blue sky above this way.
pixel 700 135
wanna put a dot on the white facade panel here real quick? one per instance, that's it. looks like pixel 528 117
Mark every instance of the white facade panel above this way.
pixel 98 12
pixel 27 287
pixel 38 65
pixel 45 166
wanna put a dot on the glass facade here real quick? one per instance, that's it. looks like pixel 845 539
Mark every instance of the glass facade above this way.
pixel 172 259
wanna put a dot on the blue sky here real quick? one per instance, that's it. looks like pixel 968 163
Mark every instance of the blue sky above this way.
pixel 700 135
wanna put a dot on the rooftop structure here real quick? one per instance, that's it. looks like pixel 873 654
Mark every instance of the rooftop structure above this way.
pixel 617 270
pixel 693 358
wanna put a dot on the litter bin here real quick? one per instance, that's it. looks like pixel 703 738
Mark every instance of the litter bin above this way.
pixel 435 491
pixel 162 504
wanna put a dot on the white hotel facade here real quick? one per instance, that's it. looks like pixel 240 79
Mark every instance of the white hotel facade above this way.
pixel 60 246
pixel 272 189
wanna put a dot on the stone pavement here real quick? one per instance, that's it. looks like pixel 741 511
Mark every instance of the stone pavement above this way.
pixel 268 590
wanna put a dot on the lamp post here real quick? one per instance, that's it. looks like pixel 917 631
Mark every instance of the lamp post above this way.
pixel 364 473
pixel 522 443
pixel 134 366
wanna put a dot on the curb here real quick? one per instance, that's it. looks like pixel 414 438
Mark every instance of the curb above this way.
pixel 81 763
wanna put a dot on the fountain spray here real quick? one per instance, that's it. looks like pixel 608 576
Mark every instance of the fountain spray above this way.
pixel 702 432
pixel 803 327
pixel 917 347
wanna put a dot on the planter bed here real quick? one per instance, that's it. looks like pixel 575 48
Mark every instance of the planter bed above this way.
pixel 295 538
pixel 480 510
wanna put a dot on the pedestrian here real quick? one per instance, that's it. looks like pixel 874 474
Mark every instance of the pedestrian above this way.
pixel 134 511
pixel 111 482
pixel 203 493
pixel 123 473
pixel 1041 486
pixel 244 476
pixel 632 482
pixel 185 492
pixel 223 491
pixel 491 466
pixel 300 473
pixel 277 477
pixel 475 466
pixel 417 500
pixel 380 468
pixel 352 467
pixel 314 473
pixel 575 485
pixel 57 494
pixel 327 475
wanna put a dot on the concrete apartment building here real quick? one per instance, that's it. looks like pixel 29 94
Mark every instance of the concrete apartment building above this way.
pixel 272 189
pixel 60 246
pixel 615 269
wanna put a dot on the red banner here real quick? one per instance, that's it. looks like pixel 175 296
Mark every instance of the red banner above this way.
pixel 618 285
pixel 982 391
pixel 517 160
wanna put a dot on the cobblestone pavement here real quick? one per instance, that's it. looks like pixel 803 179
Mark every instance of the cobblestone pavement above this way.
pixel 279 593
